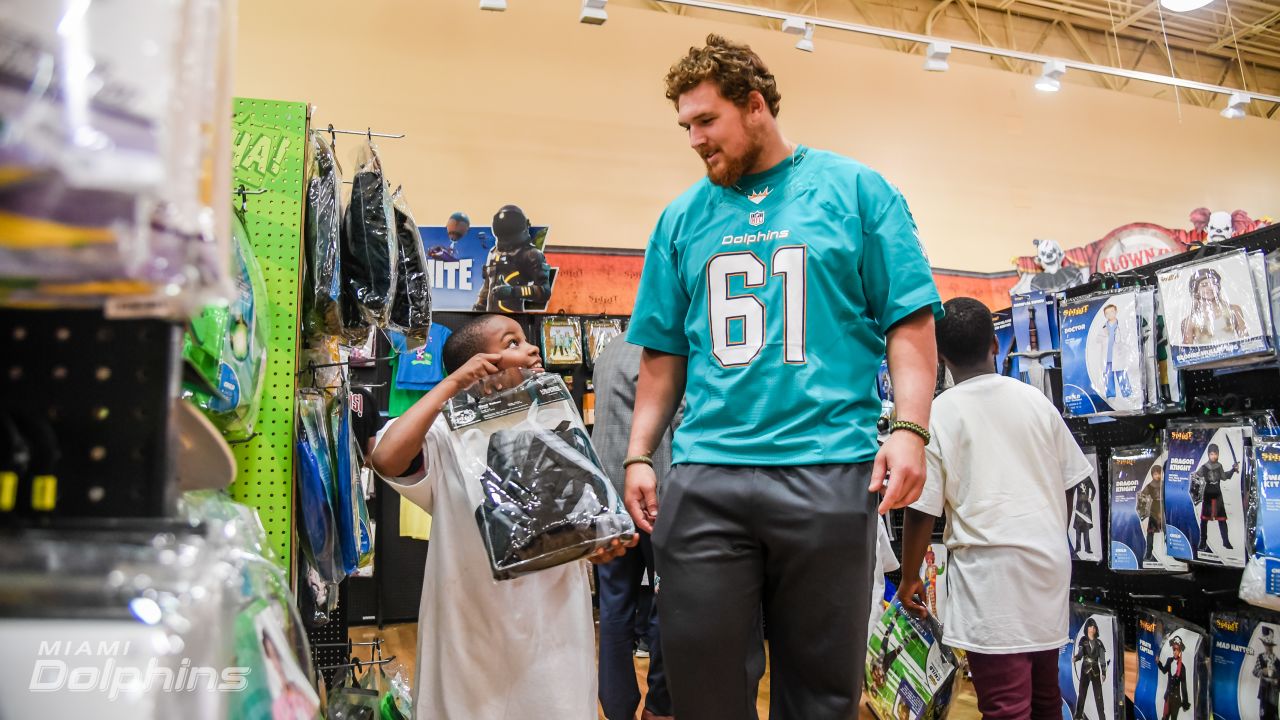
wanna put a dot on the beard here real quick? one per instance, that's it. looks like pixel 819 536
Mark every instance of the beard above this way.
pixel 731 169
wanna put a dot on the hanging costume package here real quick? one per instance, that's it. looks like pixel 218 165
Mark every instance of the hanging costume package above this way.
pixel 1103 369
pixel 322 241
pixel 1035 329
pixel 1173 669
pixel 561 341
pixel 227 346
pixel 1246 668
pixel 1211 310
pixel 1273 294
pixel 1137 526
pixel 933 572
pixel 411 310
pixel 317 527
pixel 541 498
pixel 1169 383
pixel 1085 532
pixel 1205 493
pixel 369 250
pixel 1091 665
pixel 909 674
pixel 1003 321
pixel 600 332
pixel 1260 584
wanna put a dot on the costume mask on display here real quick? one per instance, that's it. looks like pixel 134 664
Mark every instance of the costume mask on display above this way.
pixel 1219 227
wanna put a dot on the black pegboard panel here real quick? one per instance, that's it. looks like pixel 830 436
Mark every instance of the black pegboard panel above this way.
pixel 90 398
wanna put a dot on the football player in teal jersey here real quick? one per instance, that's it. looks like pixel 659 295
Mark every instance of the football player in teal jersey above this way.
pixel 771 290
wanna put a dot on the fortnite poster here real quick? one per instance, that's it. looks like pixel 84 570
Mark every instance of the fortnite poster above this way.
pixel 1245 669
pixel 499 268
pixel 1085 532
pixel 1205 494
pixel 1091 665
pixel 1171 669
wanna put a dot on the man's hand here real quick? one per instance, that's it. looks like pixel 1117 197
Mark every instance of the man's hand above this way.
pixel 641 495
pixel 615 549
pixel 901 458
pixel 912 587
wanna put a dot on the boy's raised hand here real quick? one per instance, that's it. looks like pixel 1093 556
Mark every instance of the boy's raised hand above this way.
pixel 909 590
pixel 477 369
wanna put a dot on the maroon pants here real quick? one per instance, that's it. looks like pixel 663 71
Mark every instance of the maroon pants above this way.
pixel 1018 686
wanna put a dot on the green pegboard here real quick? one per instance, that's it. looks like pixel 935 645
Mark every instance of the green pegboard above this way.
pixel 269 138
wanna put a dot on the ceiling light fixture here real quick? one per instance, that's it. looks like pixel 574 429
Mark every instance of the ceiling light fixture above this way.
pixel 1236 106
pixel 593 12
pixel 936 57
pixel 1184 5
pixel 495 5
pixel 806 43
pixel 794 26
pixel 1051 79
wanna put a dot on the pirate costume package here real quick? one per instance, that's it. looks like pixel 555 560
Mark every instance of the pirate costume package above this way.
pixel 1246 667
pixel 1104 361
pixel 1206 493
pixel 1137 526
pixel 1085 528
pixel 1212 314
pixel 541 498
pixel 1173 669
pixel 909 674
pixel 1260 584
pixel 1091 665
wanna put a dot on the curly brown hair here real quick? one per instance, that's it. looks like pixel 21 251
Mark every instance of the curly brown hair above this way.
pixel 736 69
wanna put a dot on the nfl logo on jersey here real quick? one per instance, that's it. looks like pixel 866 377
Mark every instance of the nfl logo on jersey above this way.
pixel 756 218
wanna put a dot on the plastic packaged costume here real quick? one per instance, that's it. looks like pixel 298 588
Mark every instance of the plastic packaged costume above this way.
pixel 1091 665
pixel 1205 493
pixel 369 250
pixel 1085 529
pixel 1137 527
pixel 227 346
pixel 1173 669
pixel 933 572
pixel 1003 321
pixel 322 241
pixel 1212 314
pixel 600 332
pixel 561 341
pixel 1245 666
pixel 541 498
pixel 1260 583
pixel 1104 370
pixel 909 673
pixel 411 311
pixel 1035 327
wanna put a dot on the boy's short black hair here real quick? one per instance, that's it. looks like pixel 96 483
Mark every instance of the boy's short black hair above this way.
pixel 965 333
pixel 466 342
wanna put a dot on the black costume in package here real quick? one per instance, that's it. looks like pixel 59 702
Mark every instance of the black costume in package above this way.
pixel 1091 665
pixel 411 310
pixel 1211 312
pixel 1205 494
pixel 1085 532
pixel 1246 668
pixel 1173 669
pixel 369 250
pixel 541 498
pixel 1260 584
pixel 322 291
pixel 1137 526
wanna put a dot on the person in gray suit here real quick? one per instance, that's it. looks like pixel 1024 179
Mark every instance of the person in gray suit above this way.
pixel 616 372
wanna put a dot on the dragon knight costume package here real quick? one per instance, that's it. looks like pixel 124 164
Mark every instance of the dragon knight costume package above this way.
pixel 1173 669
pixel 1137 526
pixel 1260 584
pixel 1104 361
pixel 541 498
pixel 1212 313
pixel 1205 494
pixel 1246 668
pixel 1085 529
pixel 909 674
pixel 1091 665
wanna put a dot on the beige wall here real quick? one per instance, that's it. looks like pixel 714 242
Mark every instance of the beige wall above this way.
pixel 568 121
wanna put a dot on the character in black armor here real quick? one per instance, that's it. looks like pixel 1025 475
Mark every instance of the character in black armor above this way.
pixel 516 271
pixel 1151 509
pixel 1091 653
pixel 1082 517
pixel 1206 488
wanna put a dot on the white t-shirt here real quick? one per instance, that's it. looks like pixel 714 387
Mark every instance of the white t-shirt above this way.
pixel 1000 463
pixel 490 650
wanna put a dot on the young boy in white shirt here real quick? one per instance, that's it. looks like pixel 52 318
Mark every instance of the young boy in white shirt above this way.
pixel 487 649
pixel 1000 463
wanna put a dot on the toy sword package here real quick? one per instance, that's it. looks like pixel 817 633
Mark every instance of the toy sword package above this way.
pixel 1245 666
pixel 1173 669
pixel 1091 665
pixel 1085 529
pixel 541 498
pixel 909 674
pixel 1206 493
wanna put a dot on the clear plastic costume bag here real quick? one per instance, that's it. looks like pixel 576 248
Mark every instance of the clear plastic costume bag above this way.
pixel 541 498
pixel 369 249
pixel 411 311
pixel 1103 360
pixel 322 289
pixel 1260 583
pixel 562 341
pixel 600 332
pixel 1212 313
pixel 317 529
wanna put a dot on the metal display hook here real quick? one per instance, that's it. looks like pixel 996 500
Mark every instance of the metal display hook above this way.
pixel 243 193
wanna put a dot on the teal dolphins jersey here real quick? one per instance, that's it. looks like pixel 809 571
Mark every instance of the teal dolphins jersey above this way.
pixel 780 292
